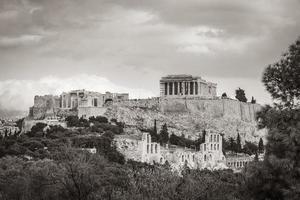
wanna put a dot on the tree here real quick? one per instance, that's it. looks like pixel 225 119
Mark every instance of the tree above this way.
pixel 224 95
pixel 164 135
pixel 278 176
pixel 154 127
pixel 99 119
pixel 232 144
pixel 261 146
pixel 203 135
pixel 249 148
pixel 281 79
pixel 72 121
pixel 153 132
pixel 37 128
pixel 5 133
pixel 253 101
pixel 240 95
pixel 19 123
pixel 238 143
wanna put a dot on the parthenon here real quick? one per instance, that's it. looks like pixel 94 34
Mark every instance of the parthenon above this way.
pixel 186 86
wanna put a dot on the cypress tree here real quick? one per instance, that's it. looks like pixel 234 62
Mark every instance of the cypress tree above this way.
pixel 203 136
pixel 238 143
pixel 232 145
pixel 164 135
pixel 261 146
pixel 154 128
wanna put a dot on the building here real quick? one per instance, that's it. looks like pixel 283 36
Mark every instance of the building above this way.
pixel 83 98
pixel 238 161
pixel 186 86
pixel 76 102
pixel 141 148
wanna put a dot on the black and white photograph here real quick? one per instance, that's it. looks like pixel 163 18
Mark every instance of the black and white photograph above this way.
pixel 149 100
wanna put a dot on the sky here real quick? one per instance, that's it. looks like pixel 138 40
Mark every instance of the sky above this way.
pixel 50 46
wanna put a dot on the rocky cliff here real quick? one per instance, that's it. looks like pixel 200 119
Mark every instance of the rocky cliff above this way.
pixel 191 116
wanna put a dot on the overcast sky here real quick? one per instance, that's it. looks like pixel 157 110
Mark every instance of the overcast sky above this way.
pixel 48 46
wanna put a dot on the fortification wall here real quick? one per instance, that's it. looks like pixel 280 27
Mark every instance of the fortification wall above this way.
pixel 214 108
pixel 48 101
pixel 151 103
pixel 44 106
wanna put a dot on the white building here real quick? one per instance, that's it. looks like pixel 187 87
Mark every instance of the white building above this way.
pixel 141 148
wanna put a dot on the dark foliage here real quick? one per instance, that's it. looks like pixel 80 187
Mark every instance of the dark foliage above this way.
pixel 240 95
pixel 253 101
pixel 224 95
pixel 261 147
pixel 164 134
pixel 281 79
pixel 278 176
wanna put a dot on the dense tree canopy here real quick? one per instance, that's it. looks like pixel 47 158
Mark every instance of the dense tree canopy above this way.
pixel 282 79
pixel 278 176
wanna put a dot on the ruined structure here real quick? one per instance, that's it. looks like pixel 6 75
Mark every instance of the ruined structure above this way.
pixel 141 148
pixel 76 102
pixel 187 104
pixel 174 86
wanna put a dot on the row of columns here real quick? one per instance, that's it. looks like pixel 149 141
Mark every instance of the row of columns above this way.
pixel 182 87
pixel 237 164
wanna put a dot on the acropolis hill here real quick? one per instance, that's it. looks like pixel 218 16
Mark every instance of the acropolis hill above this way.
pixel 187 104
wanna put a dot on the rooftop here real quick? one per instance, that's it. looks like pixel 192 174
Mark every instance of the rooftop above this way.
pixel 180 76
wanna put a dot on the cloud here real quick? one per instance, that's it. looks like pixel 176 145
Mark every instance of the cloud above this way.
pixel 19 94
pixel 136 42
pixel 21 40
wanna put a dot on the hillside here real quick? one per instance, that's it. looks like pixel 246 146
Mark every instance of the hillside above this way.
pixel 190 116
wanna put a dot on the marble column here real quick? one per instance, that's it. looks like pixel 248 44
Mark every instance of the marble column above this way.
pixel 173 88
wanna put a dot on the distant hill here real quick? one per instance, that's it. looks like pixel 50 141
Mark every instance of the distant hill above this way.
pixel 12 114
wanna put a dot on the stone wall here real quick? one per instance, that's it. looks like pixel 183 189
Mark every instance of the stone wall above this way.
pixel 151 103
pixel 213 107
pixel 44 106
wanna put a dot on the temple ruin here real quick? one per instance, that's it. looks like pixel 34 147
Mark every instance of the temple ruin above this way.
pixel 173 86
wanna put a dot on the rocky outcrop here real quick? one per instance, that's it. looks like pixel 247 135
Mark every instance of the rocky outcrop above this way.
pixel 191 116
